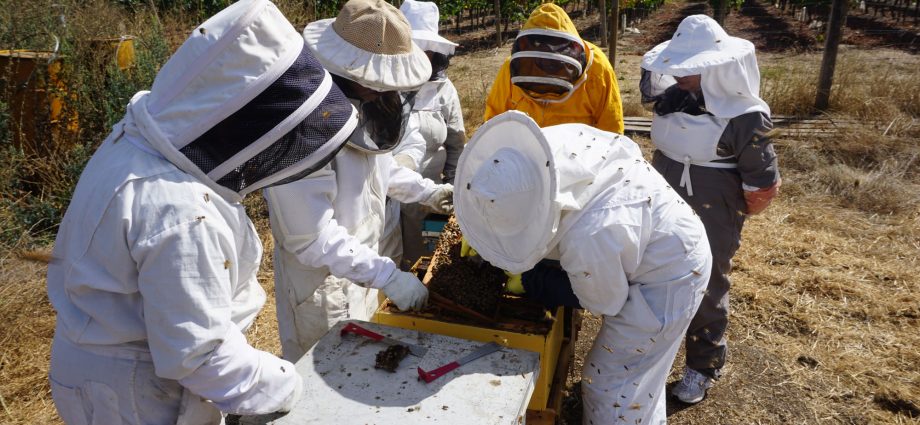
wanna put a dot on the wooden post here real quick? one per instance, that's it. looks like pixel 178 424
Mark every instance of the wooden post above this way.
pixel 614 32
pixel 829 61
pixel 602 7
pixel 498 23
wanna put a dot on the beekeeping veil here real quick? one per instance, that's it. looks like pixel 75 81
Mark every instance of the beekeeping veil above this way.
pixel 370 43
pixel 504 196
pixel 520 187
pixel 243 104
pixel 730 78
pixel 549 58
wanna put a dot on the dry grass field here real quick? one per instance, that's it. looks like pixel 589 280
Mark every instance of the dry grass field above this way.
pixel 825 324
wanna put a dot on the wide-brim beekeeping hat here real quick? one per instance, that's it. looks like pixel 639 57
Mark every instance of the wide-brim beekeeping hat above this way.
pixel 505 186
pixel 423 18
pixel 728 65
pixel 369 42
pixel 243 104
pixel 698 43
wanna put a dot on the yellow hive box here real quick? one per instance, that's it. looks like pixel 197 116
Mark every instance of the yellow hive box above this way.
pixel 545 339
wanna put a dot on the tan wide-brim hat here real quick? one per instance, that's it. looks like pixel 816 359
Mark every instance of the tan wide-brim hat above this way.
pixel 505 185
pixel 370 42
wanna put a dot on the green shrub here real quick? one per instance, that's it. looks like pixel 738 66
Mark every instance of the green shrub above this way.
pixel 36 192
pixel 36 183
pixel 200 8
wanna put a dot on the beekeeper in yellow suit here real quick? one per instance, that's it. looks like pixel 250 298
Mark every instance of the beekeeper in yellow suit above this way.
pixel 556 77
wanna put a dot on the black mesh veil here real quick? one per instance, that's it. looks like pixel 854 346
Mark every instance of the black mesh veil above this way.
pixel 546 64
pixel 238 132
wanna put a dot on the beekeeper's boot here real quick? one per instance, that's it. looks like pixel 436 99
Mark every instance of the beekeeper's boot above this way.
pixel 692 389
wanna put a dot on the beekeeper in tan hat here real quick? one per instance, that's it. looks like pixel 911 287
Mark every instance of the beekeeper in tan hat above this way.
pixel 633 252
pixel 710 133
pixel 327 227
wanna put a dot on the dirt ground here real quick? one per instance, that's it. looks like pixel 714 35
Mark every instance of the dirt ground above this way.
pixel 825 322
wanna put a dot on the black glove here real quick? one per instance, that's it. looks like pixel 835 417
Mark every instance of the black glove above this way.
pixel 549 285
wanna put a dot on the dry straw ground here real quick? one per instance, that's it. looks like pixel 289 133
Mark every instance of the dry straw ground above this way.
pixel 825 326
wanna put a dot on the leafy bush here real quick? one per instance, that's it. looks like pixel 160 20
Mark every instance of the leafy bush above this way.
pixel 193 8
pixel 36 192
pixel 37 178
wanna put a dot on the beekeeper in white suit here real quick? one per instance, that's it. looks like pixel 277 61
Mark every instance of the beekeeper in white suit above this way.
pixel 633 251
pixel 154 270
pixel 327 227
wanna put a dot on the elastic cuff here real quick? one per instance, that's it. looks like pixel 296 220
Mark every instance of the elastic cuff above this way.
pixel 387 268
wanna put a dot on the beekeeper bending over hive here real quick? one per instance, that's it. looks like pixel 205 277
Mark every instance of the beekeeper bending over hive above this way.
pixel 710 131
pixel 327 227
pixel 634 252
pixel 154 270
pixel 556 77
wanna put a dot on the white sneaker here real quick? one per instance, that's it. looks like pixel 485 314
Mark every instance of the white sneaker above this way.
pixel 692 389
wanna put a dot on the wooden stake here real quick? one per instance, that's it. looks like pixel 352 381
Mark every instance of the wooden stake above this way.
pixel 614 32
pixel 498 23
pixel 829 61
pixel 602 5
pixel 721 7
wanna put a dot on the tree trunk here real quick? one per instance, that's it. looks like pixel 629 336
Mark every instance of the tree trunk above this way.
pixel 719 12
pixel 602 8
pixel 829 61
pixel 498 23
pixel 614 32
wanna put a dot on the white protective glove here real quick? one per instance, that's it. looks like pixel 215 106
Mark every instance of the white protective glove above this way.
pixel 441 200
pixel 292 400
pixel 406 291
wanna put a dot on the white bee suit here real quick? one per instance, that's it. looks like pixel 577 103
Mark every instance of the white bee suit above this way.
pixel 634 252
pixel 107 310
pixel 408 153
pixel 642 262
pixel 326 230
pixel 440 122
pixel 154 270
pixel 437 114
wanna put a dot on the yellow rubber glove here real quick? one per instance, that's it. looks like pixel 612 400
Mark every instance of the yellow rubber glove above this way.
pixel 465 249
pixel 513 284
